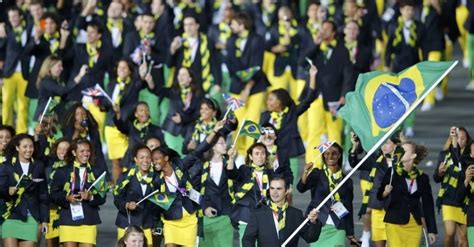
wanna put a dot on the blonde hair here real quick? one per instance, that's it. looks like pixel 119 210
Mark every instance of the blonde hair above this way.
pixel 45 69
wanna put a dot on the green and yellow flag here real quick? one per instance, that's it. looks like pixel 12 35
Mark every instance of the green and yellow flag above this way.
pixel 247 74
pixel 162 200
pixel 100 185
pixel 381 99
pixel 250 129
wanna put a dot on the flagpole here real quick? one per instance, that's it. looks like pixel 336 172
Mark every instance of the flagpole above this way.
pixel 96 181
pixel 238 133
pixel 227 112
pixel 373 149
pixel 148 196
pixel 45 109
pixel 19 180
pixel 105 94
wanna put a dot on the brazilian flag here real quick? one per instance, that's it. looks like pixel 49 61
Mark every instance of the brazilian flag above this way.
pixel 247 74
pixel 162 200
pixel 381 98
pixel 250 129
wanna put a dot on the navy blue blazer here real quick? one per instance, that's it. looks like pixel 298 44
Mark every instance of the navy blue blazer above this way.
pixel 261 229
pixel 318 183
pixel 35 198
pixel 288 140
pixel 58 195
pixel 14 53
pixel 133 192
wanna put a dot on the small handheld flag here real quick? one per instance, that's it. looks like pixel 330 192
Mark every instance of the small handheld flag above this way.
pixel 97 91
pixel 247 74
pixel 100 185
pixel 162 200
pixel 232 102
pixel 49 108
pixel 323 147
pixel 250 129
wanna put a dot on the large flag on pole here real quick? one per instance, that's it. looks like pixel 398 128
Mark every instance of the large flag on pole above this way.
pixel 381 98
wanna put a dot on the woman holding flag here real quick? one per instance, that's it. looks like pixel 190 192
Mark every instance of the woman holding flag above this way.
pixel 180 223
pixel 209 112
pixel 23 187
pixel 283 114
pixel 132 186
pixel 80 202
pixel 184 96
pixel 79 123
pixel 408 192
pixel 336 214
pixel 250 183
pixel 51 88
pixel 207 169
pixel 449 173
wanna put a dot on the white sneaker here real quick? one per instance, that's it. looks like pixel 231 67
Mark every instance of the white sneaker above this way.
pixel 426 107
pixel 409 132
pixel 439 94
pixel 470 86
pixel 465 63
pixel 365 239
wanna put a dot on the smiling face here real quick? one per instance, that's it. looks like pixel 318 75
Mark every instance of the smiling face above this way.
pixel 258 155
pixel 142 113
pixel 82 153
pixel 135 239
pixel 62 149
pixel 462 139
pixel 25 149
pixel 206 112
pixel 5 138
pixel 332 156
pixel 123 71
pixel 159 161
pixel 143 160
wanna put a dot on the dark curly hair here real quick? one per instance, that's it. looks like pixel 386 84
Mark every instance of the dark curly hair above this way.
pixel 74 145
pixel 10 150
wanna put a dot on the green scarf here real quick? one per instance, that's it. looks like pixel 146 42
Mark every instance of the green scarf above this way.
pixel 246 187
pixel 399 37
pixel 141 127
pixel 333 180
pixel 205 59
pixel 413 174
pixel 122 84
pixel 240 38
pixel 450 181
pixel 72 177
pixel 281 212
pixel 134 172
pixel 93 53
pixel 202 127
pixel 19 31
pixel 53 41
pixel 277 117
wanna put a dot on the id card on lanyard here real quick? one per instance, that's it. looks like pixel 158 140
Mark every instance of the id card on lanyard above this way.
pixel 77 211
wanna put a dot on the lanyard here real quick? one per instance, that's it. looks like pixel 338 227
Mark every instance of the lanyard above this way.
pixel 182 191
pixel 82 183
pixel 411 185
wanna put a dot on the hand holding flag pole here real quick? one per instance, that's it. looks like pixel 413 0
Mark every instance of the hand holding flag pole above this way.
pixel 238 132
pixel 104 93
pixel 377 144
pixel 19 181
pixel 96 181
pixel 148 196
pixel 45 109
